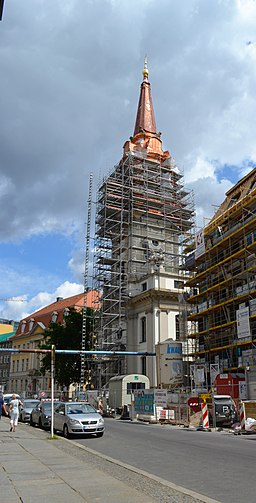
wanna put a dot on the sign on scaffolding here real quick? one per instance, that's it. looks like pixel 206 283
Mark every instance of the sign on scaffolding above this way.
pixel 214 371
pixel 200 244
pixel 243 323
pixel 197 373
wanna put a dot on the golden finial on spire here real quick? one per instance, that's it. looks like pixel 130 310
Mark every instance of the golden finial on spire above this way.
pixel 145 69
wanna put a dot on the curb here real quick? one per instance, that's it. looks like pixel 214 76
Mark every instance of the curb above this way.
pixel 155 478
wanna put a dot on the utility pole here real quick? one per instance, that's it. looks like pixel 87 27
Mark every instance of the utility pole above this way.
pixel 52 387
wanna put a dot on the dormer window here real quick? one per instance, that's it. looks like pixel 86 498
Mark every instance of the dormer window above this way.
pixel 23 326
pixel 66 311
pixel 54 316
pixel 31 323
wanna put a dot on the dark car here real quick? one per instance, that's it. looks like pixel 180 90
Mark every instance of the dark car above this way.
pixel 41 415
pixel 26 408
pixel 222 412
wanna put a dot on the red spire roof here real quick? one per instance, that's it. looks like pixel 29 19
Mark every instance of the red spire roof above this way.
pixel 145 119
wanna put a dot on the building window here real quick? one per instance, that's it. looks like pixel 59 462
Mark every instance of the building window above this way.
pixel 13 366
pixel 143 329
pixel 143 365
pixel 27 363
pixel 144 287
pixel 54 317
pixel 178 284
pixel 248 239
pixel 131 386
pixel 17 366
pixel 22 365
pixel 23 326
pixel 31 323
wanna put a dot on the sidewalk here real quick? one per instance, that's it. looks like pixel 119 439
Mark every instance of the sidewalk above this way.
pixel 33 469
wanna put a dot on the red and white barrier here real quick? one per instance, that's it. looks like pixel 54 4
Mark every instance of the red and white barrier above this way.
pixel 242 417
pixel 100 405
pixel 205 415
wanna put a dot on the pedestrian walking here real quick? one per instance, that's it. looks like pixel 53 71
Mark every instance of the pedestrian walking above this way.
pixel 2 405
pixel 14 412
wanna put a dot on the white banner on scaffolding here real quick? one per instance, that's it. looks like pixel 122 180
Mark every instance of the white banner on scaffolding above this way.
pixel 198 374
pixel 214 371
pixel 200 244
pixel 243 322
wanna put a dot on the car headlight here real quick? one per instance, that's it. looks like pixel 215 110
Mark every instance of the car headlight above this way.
pixel 74 421
pixel 46 417
pixel 101 421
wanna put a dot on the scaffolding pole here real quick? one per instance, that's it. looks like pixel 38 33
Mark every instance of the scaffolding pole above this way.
pixel 86 272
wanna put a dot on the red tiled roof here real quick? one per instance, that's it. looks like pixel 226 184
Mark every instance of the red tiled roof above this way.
pixel 44 315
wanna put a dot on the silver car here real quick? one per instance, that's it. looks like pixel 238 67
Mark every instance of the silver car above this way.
pixel 26 408
pixel 76 418
pixel 41 415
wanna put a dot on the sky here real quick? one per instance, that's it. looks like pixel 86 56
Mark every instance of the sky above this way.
pixel 70 79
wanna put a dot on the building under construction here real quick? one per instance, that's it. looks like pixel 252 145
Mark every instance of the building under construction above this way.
pixel 222 298
pixel 143 216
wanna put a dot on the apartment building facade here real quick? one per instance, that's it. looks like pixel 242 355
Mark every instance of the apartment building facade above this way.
pixel 222 299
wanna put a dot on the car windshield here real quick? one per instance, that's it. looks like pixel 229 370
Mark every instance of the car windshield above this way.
pixel 29 405
pixel 80 408
pixel 47 406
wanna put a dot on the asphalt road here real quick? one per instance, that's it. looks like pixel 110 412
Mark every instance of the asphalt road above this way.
pixel 218 465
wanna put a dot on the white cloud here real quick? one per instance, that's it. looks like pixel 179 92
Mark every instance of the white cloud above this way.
pixel 199 168
pixel 15 309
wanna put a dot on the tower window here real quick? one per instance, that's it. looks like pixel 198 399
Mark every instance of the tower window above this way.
pixel 144 287
pixel 178 284
pixel 143 330
pixel 143 365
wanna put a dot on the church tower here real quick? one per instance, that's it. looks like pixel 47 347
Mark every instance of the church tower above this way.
pixel 144 214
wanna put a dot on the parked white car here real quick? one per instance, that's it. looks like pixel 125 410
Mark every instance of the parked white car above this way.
pixel 76 418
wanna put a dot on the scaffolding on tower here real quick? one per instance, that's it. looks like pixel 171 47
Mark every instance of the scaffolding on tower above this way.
pixel 143 210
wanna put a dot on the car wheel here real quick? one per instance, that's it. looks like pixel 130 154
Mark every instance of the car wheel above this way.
pixel 54 431
pixel 31 422
pixel 99 434
pixel 65 431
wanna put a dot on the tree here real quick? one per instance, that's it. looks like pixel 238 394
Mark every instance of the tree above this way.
pixel 67 336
